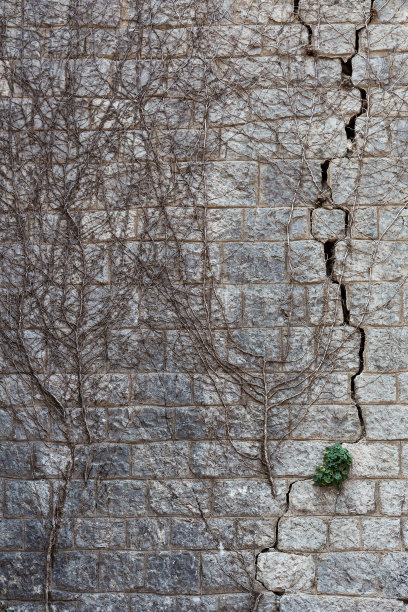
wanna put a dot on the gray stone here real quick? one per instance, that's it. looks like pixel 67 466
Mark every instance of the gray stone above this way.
pixel 381 533
pixel 15 459
pixel 226 571
pixel 210 460
pixel 121 498
pixel 344 534
pixel 164 389
pixel 387 422
pixel 76 570
pixel 121 571
pixel 307 262
pixel 11 534
pixel 283 572
pixel 375 388
pixel 27 498
pixel 103 461
pixel 173 573
pixel 357 497
pixel 395 583
pixel 248 498
pixel 160 460
pixel 256 533
pixel 148 533
pixel 254 263
pixel 136 424
pixel 152 603
pixel 100 602
pixel 199 534
pixel 22 575
pixel 350 574
pixel 302 534
pixel 313 603
pixel 394 497
pixel 374 459
pixel 176 497
pixel 100 533
pixel 328 224
pixel 207 603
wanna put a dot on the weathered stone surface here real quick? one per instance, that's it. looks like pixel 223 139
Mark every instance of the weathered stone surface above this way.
pixel 394 497
pixel 388 422
pixel 225 571
pixel 350 574
pixel 282 572
pixel 344 534
pixel 173 573
pixel 328 224
pixel 302 534
pixel 374 459
pixel 121 571
pixel 375 388
pixel 248 498
pixel 356 498
pixel 380 533
pixel 395 575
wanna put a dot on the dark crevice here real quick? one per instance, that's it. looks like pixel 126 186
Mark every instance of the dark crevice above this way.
pixel 351 128
pixel 296 7
pixel 309 47
pixel 346 311
pixel 330 255
pixel 346 222
pixel 353 380
pixel 346 67
pixel 325 167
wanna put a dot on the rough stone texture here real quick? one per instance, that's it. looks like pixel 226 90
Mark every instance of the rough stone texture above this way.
pixel 290 181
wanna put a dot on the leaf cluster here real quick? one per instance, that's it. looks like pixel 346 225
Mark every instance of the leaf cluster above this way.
pixel 336 465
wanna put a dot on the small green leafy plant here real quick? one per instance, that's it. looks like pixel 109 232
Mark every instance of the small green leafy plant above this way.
pixel 336 465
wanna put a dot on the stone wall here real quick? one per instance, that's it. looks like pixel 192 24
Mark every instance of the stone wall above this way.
pixel 192 489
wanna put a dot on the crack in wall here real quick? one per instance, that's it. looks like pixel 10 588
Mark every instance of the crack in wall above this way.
pixel 330 254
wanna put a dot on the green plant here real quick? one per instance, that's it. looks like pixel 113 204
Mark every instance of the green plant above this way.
pixel 336 465
pixel 3 608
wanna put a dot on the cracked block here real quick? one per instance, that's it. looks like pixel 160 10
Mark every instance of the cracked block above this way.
pixel 334 40
pixel 328 224
pixel 394 11
pixel 282 572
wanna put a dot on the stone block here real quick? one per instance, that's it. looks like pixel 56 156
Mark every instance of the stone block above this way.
pixel 274 223
pixel 232 184
pixel 37 534
pixel 76 571
pixel 22 575
pixel 375 388
pixel 333 388
pixel 15 459
pixel 357 497
pixel 214 533
pixel 381 533
pixel 386 350
pixel 363 223
pixel 224 460
pixel 152 603
pixel 372 137
pixel 177 573
pixel 108 602
pixel 328 224
pixel 206 603
pixel 148 533
pixel 27 498
pixel 344 534
pixel 307 262
pixel 140 423
pixel 302 534
pixel 262 11
pixel 391 11
pixel 274 305
pixel 350 574
pixel 248 498
pixel 282 182
pixel 254 263
pixel 374 459
pixel 388 422
pixel 121 498
pixel 11 534
pixel 226 572
pixel 344 11
pixel 224 224
pixel 283 572
pixel 100 533
pixel 336 422
pixel 103 461
pixel 392 220
pixel 394 497
pixel 293 458
pixel 165 389
pixel 121 571
pixel 185 498
pixel 50 460
pixel 334 40
pixel 314 603
pixel 256 533
pixel 161 460
pixel 395 578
